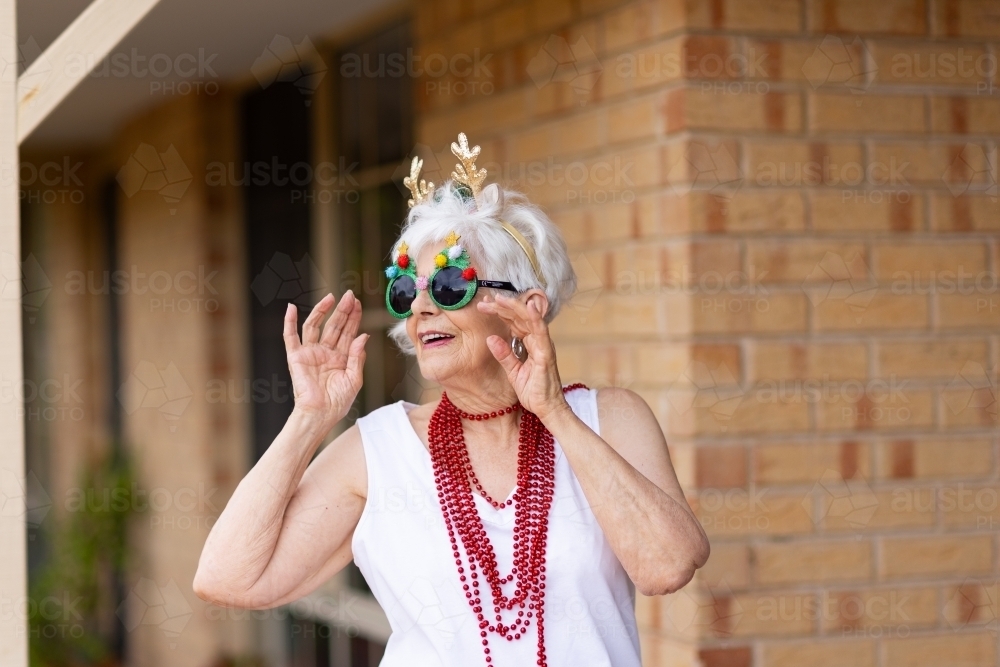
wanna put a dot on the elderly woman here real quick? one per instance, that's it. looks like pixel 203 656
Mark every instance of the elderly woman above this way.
pixel 530 511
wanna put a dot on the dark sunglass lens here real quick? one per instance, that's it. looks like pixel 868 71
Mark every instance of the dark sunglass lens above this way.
pixel 402 292
pixel 448 287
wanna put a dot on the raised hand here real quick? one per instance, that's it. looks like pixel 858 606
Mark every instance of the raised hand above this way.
pixel 326 365
pixel 536 380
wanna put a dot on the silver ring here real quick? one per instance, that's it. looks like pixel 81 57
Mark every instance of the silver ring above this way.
pixel 517 347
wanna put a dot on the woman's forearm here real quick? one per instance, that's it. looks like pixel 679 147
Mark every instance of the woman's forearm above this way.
pixel 243 539
pixel 654 534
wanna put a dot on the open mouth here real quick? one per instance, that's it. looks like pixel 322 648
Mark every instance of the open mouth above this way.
pixel 435 339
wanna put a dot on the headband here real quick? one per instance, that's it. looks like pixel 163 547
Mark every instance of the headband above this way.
pixel 470 178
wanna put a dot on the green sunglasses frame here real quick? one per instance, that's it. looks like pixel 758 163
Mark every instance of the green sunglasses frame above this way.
pixel 461 262
pixel 470 292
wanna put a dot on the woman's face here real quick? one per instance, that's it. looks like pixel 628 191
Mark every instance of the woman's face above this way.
pixel 450 342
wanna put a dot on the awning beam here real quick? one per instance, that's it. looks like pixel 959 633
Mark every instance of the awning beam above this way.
pixel 72 56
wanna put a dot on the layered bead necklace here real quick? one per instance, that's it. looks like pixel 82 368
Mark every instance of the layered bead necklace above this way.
pixel 532 499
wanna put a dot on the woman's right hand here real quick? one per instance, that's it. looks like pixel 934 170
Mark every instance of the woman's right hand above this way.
pixel 326 366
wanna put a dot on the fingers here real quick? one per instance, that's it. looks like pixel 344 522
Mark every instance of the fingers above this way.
pixel 517 326
pixel 502 353
pixel 356 356
pixel 536 320
pixel 291 333
pixel 335 326
pixel 310 328
pixel 350 329
pixel 528 313
pixel 524 319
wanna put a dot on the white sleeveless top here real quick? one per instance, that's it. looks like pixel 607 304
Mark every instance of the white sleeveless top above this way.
pixel 401 546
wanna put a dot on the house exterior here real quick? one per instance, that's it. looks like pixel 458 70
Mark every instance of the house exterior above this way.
pixel 784 218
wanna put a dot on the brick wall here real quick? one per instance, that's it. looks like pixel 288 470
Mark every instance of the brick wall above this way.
pixel 183 331
pixel 181 336
pixel 784 216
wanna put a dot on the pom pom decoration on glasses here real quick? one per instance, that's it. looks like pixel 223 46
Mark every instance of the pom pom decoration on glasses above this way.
pixel 452 284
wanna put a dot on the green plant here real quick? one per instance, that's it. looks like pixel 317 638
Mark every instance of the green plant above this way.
pixel 73 594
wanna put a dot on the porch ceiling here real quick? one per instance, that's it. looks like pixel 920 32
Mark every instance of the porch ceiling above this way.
pixel 227 36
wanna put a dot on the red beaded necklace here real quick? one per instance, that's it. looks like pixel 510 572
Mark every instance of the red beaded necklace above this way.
pixel 454 479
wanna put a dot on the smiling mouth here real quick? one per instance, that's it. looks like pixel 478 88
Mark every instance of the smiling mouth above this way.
pixel 435 339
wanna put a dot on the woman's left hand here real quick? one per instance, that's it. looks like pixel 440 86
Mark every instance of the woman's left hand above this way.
pixel 536 379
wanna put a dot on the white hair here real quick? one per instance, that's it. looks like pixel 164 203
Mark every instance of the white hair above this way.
pixel 494 252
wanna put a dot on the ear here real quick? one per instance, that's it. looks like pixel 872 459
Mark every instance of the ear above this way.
pixel 539 298
pixel 490 194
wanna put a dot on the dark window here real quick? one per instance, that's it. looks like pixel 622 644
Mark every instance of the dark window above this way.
pixel 373 128
pixel 276 137
pixel 369 126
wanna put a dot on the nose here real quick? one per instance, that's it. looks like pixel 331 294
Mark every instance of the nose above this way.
pixel 423 305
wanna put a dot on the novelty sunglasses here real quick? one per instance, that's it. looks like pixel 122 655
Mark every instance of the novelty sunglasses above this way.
pixel 452 285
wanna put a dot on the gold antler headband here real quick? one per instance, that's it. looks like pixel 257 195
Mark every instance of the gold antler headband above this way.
pixel 420 190
pixel 468 174
pixel 466 171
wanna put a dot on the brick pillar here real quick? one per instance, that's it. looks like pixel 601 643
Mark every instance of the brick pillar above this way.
pixel 784 218
pixel 183 339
